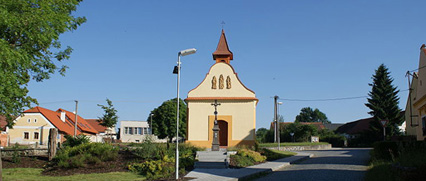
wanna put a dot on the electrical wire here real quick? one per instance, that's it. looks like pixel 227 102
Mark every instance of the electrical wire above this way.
pixel 328 99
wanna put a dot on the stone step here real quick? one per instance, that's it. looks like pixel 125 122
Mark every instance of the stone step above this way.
pixel 211 156
pixel 210 165
pixel 212 159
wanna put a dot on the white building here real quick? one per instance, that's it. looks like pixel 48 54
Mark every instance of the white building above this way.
pixel 134 131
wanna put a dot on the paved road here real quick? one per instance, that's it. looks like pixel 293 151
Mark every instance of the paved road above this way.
pixel 335 164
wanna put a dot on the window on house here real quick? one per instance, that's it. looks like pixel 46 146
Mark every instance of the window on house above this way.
pixel 126 130
pixel 139 130
pixel 29 120
pixel 145 130
pixel 26 135
pixel 130 130
pixel 35 120
pixel 36 135
pixel 137 141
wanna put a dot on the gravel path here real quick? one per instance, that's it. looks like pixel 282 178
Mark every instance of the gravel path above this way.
pixel 334 164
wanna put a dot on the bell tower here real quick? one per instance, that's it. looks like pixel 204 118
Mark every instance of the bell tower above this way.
pixel 222 53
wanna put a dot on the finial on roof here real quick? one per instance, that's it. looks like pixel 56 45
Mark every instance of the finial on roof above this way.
pixel 423 46
pixel 222 53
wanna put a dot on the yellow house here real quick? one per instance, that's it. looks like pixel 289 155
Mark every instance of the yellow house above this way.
pixel 33 126
pixel 418 95
pixel 411 117
pixel 237 109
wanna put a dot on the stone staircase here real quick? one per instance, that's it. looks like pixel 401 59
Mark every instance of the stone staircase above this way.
pixel 212 159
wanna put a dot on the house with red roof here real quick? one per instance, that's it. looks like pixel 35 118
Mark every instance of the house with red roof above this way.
pixel 103 132
pixel 33 126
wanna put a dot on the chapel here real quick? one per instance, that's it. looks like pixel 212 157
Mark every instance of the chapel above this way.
pixel 236 114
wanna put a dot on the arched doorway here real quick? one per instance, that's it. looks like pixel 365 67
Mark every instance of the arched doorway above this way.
pixel 223 132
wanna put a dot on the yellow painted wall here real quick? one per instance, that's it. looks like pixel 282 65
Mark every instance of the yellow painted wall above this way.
pixel 409 110
pixel 42 126
pixel 240 114
pixel 420 98
pixel 205 88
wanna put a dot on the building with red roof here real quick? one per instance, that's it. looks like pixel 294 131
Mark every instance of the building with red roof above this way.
pixel 103 132
pixel 33 126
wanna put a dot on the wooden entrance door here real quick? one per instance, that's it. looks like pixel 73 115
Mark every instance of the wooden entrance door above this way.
pixel 223 133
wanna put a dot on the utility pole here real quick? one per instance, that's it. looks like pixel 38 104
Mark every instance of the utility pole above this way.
pixel 75 123
pixel 275 120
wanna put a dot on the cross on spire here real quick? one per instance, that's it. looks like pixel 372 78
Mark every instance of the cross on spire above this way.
pixel 223 24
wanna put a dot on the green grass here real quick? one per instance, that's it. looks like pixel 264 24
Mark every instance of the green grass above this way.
pixel 292 144
pixel 380 170
pixel 275 154
pixel 35 174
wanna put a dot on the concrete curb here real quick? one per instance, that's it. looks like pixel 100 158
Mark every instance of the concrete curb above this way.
pixel 248 172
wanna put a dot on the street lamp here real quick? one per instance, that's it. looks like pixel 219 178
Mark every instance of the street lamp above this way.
pixel 150 129
pixel 177 71
pixel 292 138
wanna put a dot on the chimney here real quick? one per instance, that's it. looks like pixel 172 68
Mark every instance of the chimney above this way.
pixel 63 116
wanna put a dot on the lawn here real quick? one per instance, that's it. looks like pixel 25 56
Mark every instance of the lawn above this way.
pixel 35 174
pixel 292 144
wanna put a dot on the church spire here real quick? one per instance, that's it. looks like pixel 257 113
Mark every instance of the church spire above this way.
pixel 222 53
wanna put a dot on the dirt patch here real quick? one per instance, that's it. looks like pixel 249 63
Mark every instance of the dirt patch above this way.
pixel 25 162
pixel 118 165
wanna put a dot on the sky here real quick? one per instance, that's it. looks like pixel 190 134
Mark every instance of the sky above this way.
pixel 306 49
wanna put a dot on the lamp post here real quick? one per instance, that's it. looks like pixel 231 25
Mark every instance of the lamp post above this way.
pixel 292 138
pixel 150 129
pixel 176 70
pixel 278 120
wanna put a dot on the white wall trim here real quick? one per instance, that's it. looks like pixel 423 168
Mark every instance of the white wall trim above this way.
pixel 32 127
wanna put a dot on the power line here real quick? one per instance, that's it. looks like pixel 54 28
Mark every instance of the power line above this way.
pixel 328 99
pixel 418 68
pixel 98 101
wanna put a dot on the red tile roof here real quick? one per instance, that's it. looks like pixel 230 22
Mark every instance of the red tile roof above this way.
pixel 222 48
pixel 55 119
pixel 355 127
pixel 95 124
pixel 318 125
pixel 81 123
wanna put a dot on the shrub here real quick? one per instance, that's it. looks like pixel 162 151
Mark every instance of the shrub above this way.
pixel 155 169
pixel 85 154
pixel 387 150
pixel 16 156
pixel 398 160
pixel 75 141
pixel 240 161
pixel 246 157
pixel 255 156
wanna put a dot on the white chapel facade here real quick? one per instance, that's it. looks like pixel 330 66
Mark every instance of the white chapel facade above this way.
pixel 236 112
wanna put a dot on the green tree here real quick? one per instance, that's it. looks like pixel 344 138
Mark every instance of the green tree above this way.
pixel 164 119
pixel 302 133
pixel 109 118
pixel 383 101
pixel 29 46
pixel 307 114
pixel 260 135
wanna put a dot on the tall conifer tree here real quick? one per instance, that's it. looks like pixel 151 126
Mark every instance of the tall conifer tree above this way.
pixel 383 102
